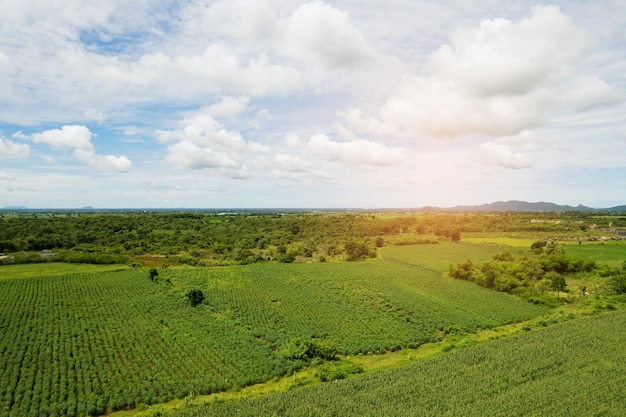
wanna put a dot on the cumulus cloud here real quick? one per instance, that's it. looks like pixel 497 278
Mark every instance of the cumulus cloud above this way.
pixel 228 107
pixel 589 92
pixel 73 136
pixel 497 79
pixel 204 143
pixel 79 137
pixel 358 151
pixel 505 57
pixel 513 152
pixel 318 31
pixel 10 149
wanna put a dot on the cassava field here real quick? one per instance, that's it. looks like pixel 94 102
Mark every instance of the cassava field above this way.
pixel 297 301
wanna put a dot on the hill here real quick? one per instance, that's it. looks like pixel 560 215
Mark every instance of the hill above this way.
pixel 524 206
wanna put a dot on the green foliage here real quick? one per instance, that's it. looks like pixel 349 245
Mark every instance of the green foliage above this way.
pixel 359 250
pixel 307 349
pixel 528 275
pixel 573 369
pixel 333 371
pixel 87 342
pixel 195 297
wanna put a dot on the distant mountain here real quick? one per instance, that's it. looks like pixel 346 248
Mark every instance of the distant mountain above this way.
pixel 14 208
pixel 521 206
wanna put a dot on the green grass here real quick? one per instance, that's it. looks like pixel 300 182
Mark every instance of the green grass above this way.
pixel 611 253
pixel 438 257
pixel 52 269
pixel 577 368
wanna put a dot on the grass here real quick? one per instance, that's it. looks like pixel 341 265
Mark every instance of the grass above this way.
pixel 438 257
pixel 53 269
pixel 611 253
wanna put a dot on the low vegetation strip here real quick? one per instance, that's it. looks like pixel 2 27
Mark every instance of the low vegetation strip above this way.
pixel 576 368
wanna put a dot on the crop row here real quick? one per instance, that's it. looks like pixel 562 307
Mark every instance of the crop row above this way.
pixel 572 369
pixel 88 343
pixel 362 307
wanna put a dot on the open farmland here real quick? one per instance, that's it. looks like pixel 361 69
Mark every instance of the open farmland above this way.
pixel 85 343
pixel 571 369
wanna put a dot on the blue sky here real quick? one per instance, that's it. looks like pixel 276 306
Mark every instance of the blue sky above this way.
pixel 311 104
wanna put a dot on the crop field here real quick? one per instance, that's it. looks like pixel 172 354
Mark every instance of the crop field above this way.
pixel 438 257
pixel 611 253
pixel 572 369
pixel 88 342
pixel 93 340
pixel 362 307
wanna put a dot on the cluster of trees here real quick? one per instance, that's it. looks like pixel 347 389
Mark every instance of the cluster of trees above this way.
pixel 199 238
pixel 531 275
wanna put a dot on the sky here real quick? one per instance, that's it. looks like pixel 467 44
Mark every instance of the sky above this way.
pixel 319 104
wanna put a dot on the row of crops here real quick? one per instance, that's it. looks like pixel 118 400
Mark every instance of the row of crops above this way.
pixel 91 342
pixel 572 369
pixel 362 307
pixel 88 343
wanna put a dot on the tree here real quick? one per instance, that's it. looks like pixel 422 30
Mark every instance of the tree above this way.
pixel 455 236
pixel 153 273
pixel 558 284
pixel 195 297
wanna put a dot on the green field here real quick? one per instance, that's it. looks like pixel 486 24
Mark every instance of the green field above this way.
pixel 611 253
pixel 438 257
pixel 572 369
pixel 90 341
pixel 51 269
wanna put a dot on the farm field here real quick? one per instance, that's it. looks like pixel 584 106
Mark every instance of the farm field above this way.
pixel 438 257
pixel 91 341
pixel 80 339
pixel 610 253
pixel 576 368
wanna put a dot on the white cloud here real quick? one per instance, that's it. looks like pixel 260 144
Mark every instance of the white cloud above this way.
pixel 204 143
pixel 73 136
pixel 497 79
pixel 9 149
pixel 228 107
pixel 505 57
pixel 589 92
pixel 79 138
pixel 513 152
pixel 93 114
pixel 107 163
pixel 357 151
pixel 318 31
pixel 190 155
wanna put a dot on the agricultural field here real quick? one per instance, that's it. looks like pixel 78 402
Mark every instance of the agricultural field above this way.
pixel 610 253
pixel 577 368
pixel 438 257
pixel 88 342
pixel 93 337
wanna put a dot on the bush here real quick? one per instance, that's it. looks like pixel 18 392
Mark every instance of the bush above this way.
pixel 195 297
pixel 337 370
pixel 307 349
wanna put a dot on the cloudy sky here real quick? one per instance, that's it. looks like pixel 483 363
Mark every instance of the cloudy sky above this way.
pixel 286 103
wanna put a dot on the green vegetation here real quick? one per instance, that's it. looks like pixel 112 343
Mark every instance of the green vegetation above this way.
pixel 572 369
pixel 92 342
pixel 126 324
